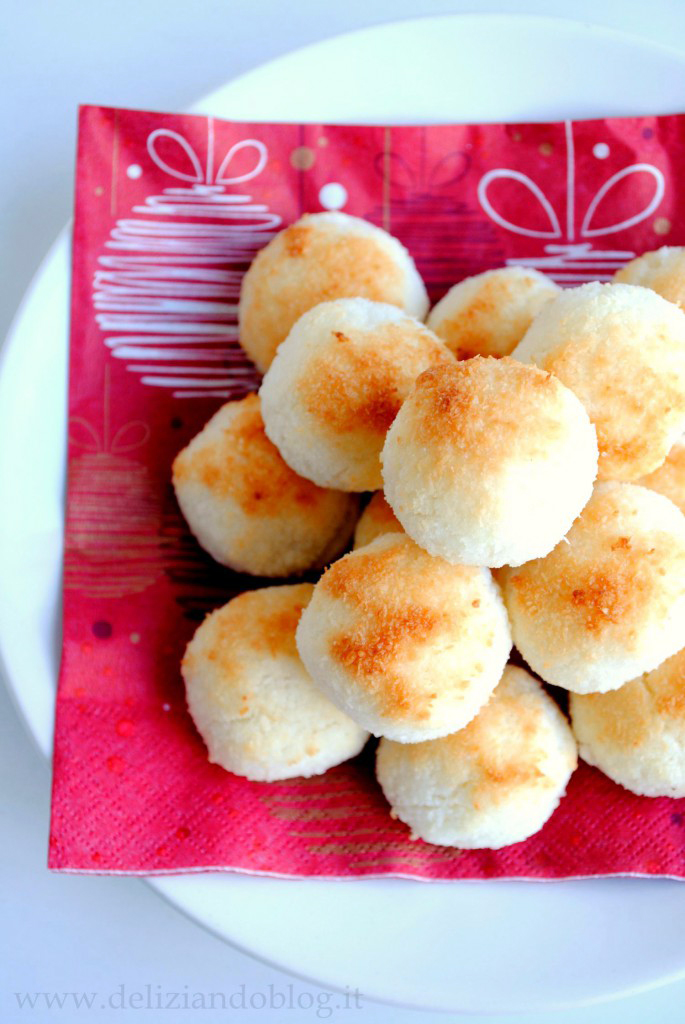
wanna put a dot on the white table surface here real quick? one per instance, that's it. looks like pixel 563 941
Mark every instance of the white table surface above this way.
pixel 66 934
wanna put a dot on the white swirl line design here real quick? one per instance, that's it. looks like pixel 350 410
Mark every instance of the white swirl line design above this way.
pixel 588 232
pixel 504 172
pixel 236 148
pixel 166 292
pixel 569 261
pixel 164 133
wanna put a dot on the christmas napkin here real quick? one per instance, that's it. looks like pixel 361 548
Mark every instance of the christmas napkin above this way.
pixel 170 210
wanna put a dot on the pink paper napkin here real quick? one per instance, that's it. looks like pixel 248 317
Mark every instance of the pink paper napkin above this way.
pixel 170 210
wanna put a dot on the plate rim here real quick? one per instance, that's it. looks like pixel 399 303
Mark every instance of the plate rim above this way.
pixel 484 1008
pixel 548 20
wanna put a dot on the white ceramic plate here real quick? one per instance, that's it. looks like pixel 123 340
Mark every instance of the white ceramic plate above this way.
pixel 458 946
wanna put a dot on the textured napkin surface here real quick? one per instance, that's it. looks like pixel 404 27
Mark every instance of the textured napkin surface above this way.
pixel 170 210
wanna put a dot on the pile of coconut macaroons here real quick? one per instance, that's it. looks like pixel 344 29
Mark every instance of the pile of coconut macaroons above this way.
pixel 523 444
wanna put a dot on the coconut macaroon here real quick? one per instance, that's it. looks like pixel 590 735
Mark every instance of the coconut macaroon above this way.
pixel 608 603
pixel 247 507
pixel 251 698
pixel 322 256
pixel 407 645
pixel 336 385
pixel 493 783
pixel 662 270
pixel 376 519
pixel 669 478
pixel 489 462
pixel 636 735
pixel 621 349
pixel 488 314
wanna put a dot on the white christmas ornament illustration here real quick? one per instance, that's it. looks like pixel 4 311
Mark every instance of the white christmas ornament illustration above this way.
pixel 114 512
pixel 166 295
pixel 573 260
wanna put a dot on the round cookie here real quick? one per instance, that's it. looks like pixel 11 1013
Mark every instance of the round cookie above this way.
pixel 376 519
pixel 636 735
pixel 407 645
pixel 488 314
pixel 662 270
pixel 320 257
pixel 251 698
pixel 336 385
pixel 621 349
pixel 493 783
pixel 247 508
pixel 608 603
pixel 488 462
pixel 669 478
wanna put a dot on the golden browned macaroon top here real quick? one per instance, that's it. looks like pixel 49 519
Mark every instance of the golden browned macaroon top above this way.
pixel 621 349
pixel 400 599
pixel 662 270
pixel 477 406
pixel 357 388
pixel 258 622
pixel 248 468
pixel 506 745
pixel 600 577
pixel 610 399
pixel 302 267
pixel 472 330
pixel 624 718
pixel 669 479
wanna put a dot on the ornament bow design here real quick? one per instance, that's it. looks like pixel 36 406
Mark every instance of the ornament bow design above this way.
pixel 529 190
pixel 185 156
pixel 127 438
pixel 446 172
